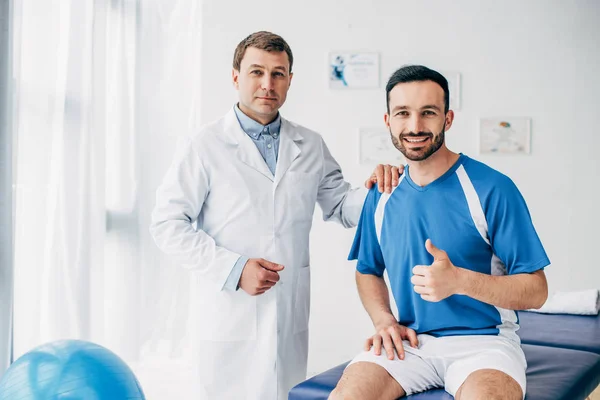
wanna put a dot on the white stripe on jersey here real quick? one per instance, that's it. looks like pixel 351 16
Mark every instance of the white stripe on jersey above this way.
pixel 508 326
pixel 474 203
pixel 381 210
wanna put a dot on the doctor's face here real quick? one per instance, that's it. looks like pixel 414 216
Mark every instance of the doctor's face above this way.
pixel 263 82
pixel 417 121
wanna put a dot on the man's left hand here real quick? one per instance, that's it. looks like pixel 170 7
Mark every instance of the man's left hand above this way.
pixel 439 280
pixel 385 176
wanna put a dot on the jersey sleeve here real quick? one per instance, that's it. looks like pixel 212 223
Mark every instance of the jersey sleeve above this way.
pixel 366 249
pixel 512 235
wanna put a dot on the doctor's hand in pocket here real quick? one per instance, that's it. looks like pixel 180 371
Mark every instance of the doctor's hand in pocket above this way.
pixel 385 176
pixel 259 275
pixel 390 335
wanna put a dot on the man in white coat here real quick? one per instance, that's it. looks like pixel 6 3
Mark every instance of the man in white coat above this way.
pixel 236 207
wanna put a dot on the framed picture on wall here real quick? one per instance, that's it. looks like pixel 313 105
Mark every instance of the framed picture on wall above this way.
pixel 454 88
pixel 376 147
pixel 506 135
pixel 353 70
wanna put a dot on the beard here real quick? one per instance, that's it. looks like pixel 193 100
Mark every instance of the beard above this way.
pixel 418 153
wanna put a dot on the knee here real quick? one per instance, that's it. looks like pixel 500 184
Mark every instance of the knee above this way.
pixel 345 393
pixel 336 394
pixel 499 396
pixel 489 385
pixel 348 390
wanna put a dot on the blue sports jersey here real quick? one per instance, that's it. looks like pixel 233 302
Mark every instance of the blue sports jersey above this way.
pixel 474 213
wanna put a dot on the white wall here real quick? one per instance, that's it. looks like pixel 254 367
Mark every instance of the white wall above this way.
pixel 536 58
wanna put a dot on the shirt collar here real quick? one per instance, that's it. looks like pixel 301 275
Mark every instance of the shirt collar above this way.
pixel 255 129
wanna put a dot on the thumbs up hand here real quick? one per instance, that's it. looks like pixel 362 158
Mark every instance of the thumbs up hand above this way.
pixel 439 280
pixel 438 254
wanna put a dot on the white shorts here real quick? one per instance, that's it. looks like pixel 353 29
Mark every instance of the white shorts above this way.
pixel 448 361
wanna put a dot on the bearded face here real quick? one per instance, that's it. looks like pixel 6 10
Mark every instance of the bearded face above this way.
pixel 418 146
pixel 417 120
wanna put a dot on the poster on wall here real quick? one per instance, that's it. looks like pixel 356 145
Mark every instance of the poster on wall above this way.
pixel 510 135
pixel 353 70
pixel 376 147
pixel 453 79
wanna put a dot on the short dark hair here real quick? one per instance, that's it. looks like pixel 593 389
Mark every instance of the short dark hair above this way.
pixel 262 40
pixel 415 73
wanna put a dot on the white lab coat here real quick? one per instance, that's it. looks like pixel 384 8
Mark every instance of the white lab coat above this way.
pixel 250 347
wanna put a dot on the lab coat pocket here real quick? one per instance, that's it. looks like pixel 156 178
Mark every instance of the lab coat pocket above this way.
pixel 228 316
pixel 302 303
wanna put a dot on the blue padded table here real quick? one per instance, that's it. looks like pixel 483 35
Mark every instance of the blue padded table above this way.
pixel 552 373
pixel 578 332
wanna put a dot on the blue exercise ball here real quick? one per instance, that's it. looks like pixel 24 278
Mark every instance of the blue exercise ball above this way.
pixel 70 370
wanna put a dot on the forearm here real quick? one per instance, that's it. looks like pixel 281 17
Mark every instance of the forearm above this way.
pixel 511 292
pixel 352 206
pixel 194 249
pixel 336 197
pixel 343 205
pixel 179 200
pixel 375 298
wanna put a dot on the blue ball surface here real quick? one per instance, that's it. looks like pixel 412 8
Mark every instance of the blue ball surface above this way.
pixel 70 370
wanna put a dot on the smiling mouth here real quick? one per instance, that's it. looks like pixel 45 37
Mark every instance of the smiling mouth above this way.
pixel 416 139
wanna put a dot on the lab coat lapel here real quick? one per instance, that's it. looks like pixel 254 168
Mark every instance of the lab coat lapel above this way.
pixel 246 151
pixel 288 149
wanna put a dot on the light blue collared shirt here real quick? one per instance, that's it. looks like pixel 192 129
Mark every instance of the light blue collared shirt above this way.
pixel 266 139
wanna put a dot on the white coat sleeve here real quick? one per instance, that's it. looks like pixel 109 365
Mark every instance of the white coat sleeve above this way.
pixel 336 197
pixel 179 199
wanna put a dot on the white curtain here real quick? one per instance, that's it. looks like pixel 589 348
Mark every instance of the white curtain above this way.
pixel 6 192
pixel 98 84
